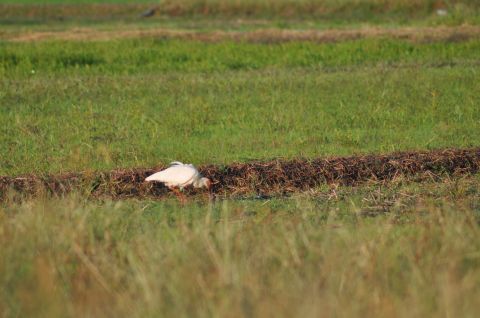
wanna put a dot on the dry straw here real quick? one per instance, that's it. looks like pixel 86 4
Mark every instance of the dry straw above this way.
pixel 260 177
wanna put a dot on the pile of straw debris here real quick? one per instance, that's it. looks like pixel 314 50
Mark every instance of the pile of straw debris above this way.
pixel 259 177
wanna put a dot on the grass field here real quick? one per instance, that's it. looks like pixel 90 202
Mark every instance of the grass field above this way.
pixel 218 82
pixel 130 103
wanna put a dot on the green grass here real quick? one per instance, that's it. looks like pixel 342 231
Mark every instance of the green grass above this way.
pixel 302 256
pixel 134 103
pixel 150 55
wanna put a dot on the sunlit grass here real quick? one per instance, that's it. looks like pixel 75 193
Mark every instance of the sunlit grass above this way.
pixel 173 101
pixel 151 56
pixel 102 122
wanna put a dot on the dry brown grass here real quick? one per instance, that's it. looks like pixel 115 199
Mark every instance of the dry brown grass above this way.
pixel 233 8
pixel 261 178
pixel 415 34
pixel 67 11
pixel 305 8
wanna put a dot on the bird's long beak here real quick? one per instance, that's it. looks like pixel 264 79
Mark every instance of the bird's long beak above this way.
pixel 209 185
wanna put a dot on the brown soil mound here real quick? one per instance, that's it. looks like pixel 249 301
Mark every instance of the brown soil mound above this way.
pixel 271 177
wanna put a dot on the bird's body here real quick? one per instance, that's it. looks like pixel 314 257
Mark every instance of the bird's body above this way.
pixel 179 175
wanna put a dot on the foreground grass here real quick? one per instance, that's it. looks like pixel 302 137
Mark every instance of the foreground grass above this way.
pixel 308 255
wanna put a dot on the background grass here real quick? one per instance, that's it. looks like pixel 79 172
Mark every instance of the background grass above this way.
pixel 134 103
pixel 307 255
pixel 288 8
pixel 326 11
pixel 79 2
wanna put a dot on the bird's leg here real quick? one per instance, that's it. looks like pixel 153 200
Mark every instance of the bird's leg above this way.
pixel 181 197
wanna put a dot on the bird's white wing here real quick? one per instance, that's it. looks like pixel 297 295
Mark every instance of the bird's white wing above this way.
pixel 177 175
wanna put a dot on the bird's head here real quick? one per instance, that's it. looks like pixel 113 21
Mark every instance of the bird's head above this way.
pixel 204 183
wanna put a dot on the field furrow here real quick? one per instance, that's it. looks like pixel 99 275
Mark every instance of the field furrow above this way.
pixel 276 177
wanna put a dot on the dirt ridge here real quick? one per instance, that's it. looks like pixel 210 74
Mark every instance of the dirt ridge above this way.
pixel 277 176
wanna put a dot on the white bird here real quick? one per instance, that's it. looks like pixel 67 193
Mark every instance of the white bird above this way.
pixel 180 175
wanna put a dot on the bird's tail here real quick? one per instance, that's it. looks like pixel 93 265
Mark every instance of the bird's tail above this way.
pixel 154 177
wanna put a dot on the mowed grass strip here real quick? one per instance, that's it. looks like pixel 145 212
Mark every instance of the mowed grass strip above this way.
pixel 263 36
pixel 317 255
pixel 151 55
